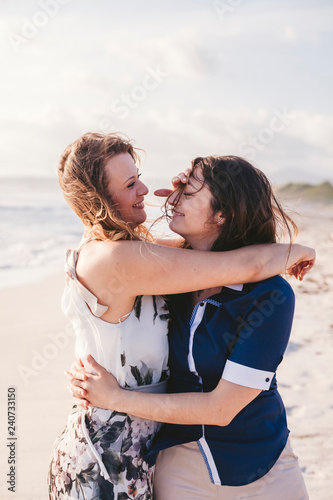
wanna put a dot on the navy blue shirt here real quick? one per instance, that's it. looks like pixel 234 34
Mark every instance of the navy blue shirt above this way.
pixel 240 335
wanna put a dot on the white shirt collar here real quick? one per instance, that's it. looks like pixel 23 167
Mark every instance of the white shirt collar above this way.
pixel 238 288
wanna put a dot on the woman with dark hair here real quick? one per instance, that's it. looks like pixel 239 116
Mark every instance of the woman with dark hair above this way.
pixel 226 434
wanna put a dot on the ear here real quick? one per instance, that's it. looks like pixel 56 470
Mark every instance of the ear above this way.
pixel 219 219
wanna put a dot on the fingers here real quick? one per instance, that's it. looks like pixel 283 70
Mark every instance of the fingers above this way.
pixel 82 402
pixel 305 269
pixel 77 392
pixel 163 192
pixel 78 375
pixel 73 380
pixel 78 366
pixel 292 271
pixel 181 178
pixel 301 269
pixel 299 275
pixel 99 369
pixel 79 395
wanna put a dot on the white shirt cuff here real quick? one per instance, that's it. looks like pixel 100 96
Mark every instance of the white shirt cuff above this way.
pixel 246 376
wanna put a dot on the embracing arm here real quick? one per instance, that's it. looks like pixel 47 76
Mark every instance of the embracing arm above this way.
pixel 217 407
pixel 150 269
pixel 170 241
pixel 250 368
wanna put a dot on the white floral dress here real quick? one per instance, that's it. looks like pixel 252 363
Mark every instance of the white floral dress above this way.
pixel 99 453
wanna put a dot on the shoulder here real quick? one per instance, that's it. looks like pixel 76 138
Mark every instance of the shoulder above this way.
pixel 116 265
pixel 273 283
pixel 99 260
pixel 274 286
pixel 100 252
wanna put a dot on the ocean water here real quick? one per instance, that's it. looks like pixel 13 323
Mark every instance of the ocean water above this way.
pixel 36 228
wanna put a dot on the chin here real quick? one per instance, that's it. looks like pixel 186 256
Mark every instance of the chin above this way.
pixel 173 227
pixel 141 219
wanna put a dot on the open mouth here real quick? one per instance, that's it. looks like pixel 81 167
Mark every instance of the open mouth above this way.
pixel 177 214
pixel 140 205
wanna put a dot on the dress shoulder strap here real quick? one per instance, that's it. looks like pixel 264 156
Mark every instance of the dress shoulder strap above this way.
pixel 84 242
pixel 71 277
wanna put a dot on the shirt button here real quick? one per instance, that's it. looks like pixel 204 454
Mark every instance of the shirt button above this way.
pixel 202 304
pixel 267 379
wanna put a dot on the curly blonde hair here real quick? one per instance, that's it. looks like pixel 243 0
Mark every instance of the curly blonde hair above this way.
pixel 83 180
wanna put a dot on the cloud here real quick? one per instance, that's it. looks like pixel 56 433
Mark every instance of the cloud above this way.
pixel 173 138
pixel 290 34
pixel 225 79
pixel 181 54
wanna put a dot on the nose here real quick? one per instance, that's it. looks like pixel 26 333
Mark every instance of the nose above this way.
pixel 143 189
pixel 174 198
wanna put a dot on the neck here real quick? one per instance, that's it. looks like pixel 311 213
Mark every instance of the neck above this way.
pixel 203 245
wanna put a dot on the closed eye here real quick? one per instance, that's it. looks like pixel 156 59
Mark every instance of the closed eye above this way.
pixel 132 183
pixel 188 194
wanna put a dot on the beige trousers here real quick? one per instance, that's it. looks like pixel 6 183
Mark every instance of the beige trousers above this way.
pixel 181 474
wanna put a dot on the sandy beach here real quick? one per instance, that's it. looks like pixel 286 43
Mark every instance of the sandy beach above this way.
pixel 37 346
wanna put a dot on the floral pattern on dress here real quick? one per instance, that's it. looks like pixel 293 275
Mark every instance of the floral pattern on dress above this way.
pixel 144 375
pixel 119 441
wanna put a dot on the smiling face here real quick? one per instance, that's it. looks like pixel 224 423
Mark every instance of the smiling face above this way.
pixel 126 190
pixel 193 217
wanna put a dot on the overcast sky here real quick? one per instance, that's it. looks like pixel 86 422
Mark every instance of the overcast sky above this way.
pixel 183 78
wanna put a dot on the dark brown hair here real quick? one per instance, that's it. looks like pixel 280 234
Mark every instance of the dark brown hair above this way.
pixel 244 195
pixel 83 180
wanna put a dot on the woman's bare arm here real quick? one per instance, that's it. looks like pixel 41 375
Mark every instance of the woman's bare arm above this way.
pixel 146 268
pixel 170 241
pixel 217 407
